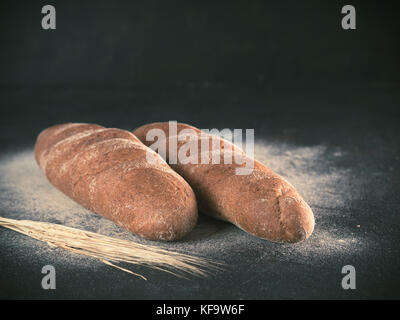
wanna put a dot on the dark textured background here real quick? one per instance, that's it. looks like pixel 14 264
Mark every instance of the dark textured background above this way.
pixel 285 68
pixel 159 43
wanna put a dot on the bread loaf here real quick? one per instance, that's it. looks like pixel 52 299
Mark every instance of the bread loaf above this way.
pixel 106 171
pixel 261 203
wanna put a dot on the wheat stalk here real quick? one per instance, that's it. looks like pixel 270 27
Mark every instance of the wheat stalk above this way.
pixel 112 250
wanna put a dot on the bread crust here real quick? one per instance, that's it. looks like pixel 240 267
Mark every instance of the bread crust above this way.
pixel 261 203
pixel 106 171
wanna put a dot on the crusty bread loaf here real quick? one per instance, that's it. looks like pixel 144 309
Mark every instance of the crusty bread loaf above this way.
pixel 108 172
pixel 261 203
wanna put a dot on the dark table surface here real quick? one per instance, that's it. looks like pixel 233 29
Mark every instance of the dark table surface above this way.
pixel 340 142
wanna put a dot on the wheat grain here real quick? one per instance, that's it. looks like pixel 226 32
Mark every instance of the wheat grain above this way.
pixel 112 250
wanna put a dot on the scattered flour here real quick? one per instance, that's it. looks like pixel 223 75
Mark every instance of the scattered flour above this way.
pixel 25 193
pixel 308 171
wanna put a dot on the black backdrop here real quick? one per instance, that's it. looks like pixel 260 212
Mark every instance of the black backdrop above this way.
pixel 158 43
pixel 285 68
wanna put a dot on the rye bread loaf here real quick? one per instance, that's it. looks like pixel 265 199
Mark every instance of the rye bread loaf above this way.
pixel 107 172
pixel 262 203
